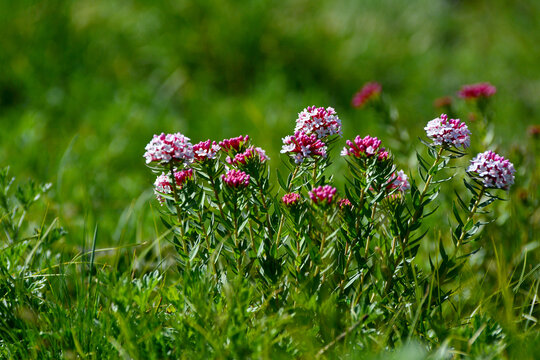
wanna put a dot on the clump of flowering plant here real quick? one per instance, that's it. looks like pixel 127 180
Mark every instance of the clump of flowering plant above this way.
pixel 227 218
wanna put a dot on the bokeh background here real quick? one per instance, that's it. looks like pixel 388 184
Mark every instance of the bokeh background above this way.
pixel 85 84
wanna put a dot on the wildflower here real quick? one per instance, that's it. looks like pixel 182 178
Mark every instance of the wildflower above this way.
pixel 303 146
pixel 234 143
pixel 291 199
pixel 344 203
pixel 475 91
pixel 534 131
pixel 205 150
pixel 365 148
pixel 236 179
pixel 322 194
pixel 250 153
pixel 320 121
pixel 169 147
pixel 162 185
pixel 443 101
pixel 399 180
pixel 449 132
pixel 494 170
pixel 368 92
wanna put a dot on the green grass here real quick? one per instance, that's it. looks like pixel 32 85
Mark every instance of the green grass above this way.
pixel 86 84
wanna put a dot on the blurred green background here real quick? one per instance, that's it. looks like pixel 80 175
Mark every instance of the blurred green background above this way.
pixel 85 84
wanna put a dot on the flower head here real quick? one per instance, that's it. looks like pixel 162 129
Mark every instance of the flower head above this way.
pixel 365 148
pixel 165 148
pixel 291 199
pixel 399 180
pixel 320 121
pixel 162 185
pixel 475 91
pixel 182 176
pixel 235 143
pixel 236 179
pixel 494 170
pixel 369 91
pixel 303 146
pixel 251 153
pixel 450 132
pixel 442 102
pixel 323 194
pixel 344 204
pixel 205 150
pixel 534 131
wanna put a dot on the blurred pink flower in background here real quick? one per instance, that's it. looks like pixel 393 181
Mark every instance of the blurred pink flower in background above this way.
pixel 369 91
pixel 475 91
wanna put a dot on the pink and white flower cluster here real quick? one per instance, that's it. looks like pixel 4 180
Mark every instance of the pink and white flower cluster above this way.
pixel 449 132
pixel 323 194
pixel 162 185
pixel 235 143
pixel 399 180
pixel 291 199
pixel 205 150
pixel 165 148
pixel 320 121
pixel 303 146
pixel 366 147
pixel 236 179
pixel 250 153
pixel 368 92
pixel 494 170
pixel 475 91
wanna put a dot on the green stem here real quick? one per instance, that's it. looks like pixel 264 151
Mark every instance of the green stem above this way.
pixel 235 235
pixel 176 201
pixel 268 223
pixel 206 238
pixel 204 229
pixel 314 175
pixel 419 209
pixel 471 214
pixel 372 220
pixel 218 201
pixel 282 219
